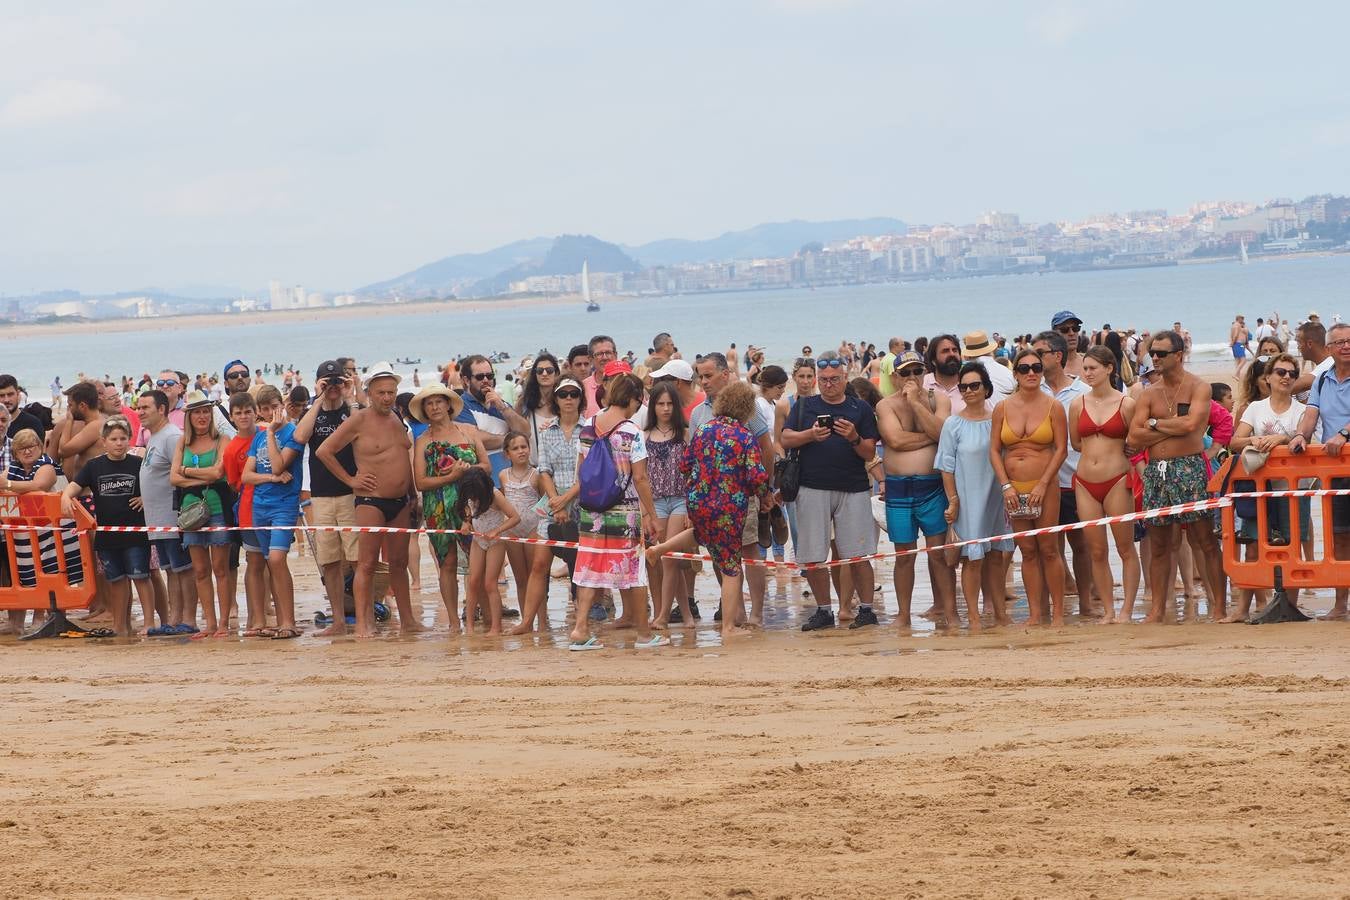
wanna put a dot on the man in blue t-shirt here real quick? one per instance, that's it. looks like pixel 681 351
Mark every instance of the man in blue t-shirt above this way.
pixel 486 410
pixel 838 438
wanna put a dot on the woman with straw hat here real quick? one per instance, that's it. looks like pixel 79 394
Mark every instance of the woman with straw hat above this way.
pixel 441 456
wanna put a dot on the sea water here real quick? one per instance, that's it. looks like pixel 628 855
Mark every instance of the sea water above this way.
pixel 1203 297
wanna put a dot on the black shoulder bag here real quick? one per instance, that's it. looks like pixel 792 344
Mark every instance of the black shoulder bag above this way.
pixel 787 471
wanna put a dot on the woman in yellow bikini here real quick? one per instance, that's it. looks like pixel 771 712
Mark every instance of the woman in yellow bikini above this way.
pixel 1027 445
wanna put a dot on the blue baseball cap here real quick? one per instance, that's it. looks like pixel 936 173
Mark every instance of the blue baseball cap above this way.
pixel 1063 316
pixel 231 364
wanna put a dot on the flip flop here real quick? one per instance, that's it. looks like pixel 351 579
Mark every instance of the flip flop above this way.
pixel 656 640
pixel 591 643
pixel 264 632
pixel 161 631
pixel 286 634
pixel 183 628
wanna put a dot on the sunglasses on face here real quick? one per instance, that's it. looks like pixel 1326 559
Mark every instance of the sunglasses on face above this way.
pixel 830 363
pixel 546 370
pixel 1281 372
pixel 485 376
pixel 1069 329
pixel 166 382
pixel 568 395
pixel 910 373
pixel 970 386
pixel 236 374
pixel 1026 368
pixel 1161 354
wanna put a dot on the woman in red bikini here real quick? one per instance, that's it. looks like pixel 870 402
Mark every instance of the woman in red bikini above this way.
pixel 1098 424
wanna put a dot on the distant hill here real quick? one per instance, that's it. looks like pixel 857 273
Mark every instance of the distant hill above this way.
pixel 772 239
pixel 445 275
pixel 564 257
pixel 487 274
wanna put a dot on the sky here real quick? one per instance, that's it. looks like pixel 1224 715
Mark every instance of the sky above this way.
pixel 194 144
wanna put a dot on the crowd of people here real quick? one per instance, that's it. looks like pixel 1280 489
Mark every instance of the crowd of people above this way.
pixel 624 462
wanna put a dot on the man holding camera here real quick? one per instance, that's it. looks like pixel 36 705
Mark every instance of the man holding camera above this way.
pixel 836 436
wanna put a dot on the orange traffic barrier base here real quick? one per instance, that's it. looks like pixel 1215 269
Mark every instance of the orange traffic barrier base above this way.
pixel 56 625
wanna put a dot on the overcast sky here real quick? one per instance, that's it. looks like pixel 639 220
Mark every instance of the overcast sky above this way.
pixel 339 143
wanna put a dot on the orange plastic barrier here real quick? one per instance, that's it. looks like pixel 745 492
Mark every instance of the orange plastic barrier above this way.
pixel 45 583
pixel 1284 471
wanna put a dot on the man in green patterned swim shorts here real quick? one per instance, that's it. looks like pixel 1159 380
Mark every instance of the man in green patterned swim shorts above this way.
pixel 1169 421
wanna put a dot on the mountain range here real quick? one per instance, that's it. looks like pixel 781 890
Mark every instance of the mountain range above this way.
pixel 489 273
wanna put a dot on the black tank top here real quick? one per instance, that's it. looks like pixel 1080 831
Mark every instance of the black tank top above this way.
pixel 323 483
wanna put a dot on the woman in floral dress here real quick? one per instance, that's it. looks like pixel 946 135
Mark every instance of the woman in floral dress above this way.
pixel 724 470
pixel 442 455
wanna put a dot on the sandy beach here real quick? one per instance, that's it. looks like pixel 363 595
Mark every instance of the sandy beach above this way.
pixel 1141 761
pixel 207 321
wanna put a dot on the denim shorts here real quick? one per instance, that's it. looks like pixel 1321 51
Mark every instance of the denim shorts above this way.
pixel 128 562
pixel 266 539
pixel 670 506
pixel 208 538
pixel 171 555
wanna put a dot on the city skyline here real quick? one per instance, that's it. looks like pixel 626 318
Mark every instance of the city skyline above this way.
pixel 152 144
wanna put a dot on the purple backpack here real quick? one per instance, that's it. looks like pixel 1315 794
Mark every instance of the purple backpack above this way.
pixel 598 477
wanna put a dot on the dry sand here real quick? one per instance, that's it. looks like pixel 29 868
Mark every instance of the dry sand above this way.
pixel 1196 760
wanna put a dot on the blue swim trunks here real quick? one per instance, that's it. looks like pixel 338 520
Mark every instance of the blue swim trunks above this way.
pixel 914 503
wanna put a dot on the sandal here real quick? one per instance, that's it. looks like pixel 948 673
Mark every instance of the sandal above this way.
pixel 286 634
pixel 265 632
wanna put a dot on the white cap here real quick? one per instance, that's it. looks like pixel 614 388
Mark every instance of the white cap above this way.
pixel 379 370
pixel 675 368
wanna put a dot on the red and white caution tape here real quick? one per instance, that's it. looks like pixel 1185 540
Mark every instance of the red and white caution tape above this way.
pixel 1179 509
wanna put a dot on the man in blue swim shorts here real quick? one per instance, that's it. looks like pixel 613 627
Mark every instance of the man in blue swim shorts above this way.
pixel 910 421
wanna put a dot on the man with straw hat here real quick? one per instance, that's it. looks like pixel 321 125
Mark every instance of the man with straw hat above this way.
pixel 979 348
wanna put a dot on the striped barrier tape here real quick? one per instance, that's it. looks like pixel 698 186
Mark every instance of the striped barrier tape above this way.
pixel 1195 506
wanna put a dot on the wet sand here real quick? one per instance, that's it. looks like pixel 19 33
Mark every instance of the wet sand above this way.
pixel 1137 760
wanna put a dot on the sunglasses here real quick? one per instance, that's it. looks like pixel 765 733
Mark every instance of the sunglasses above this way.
pixel 970 386
pixel 910 373
pixel 1161 354
pixel 243 374
pixel 803 361
pixel 1025 368
pixel 166 382
pixel 1282 372
pixel 567 395
pixel 546 370
pixel 485 376
pixel 1069 329
pixel 830 363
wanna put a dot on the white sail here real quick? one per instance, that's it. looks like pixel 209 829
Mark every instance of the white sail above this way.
pixel 586 282
pixel 1243 246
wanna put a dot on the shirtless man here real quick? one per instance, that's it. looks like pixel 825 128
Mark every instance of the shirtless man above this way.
pixel 79 437
pixel 1170 418
pixel 383 486
pixel 733 361
pixel 1237 340
pixel 910 421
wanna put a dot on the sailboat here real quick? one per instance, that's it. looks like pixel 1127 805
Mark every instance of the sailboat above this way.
pixel 1243 247
pixel 591 305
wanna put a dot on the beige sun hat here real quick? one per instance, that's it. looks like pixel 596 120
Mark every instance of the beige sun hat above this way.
pixel 434 390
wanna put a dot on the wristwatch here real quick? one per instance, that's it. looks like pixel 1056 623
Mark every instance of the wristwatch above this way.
pixel 1153 424
pixel 1345 433
pixel 855 442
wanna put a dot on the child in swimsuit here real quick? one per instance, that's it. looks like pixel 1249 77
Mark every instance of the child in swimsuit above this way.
pixel 520 485
pixel 491 515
